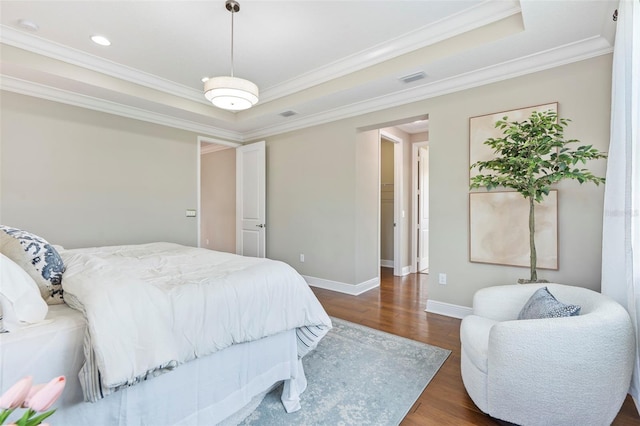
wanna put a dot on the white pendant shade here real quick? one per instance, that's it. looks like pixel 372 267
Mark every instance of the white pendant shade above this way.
pixel 231 93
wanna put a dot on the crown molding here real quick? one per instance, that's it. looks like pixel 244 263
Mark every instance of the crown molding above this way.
pixel 12 84
pixel 35 44
pixel 475 17
pixel 563 55
pixel 573 52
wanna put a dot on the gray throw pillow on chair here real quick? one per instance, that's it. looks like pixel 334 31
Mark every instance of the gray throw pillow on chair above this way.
pixel 542 304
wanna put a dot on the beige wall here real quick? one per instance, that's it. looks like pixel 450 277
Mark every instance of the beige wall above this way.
pixel 218 200
pixel 367 199
pixel 101 179
pixel 583 93
pixel 310 201
pixel 420 137
pixel 327 217
pixel 84 178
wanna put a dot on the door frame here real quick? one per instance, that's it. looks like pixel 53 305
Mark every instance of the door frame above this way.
pixel 398 144
pixel 414 202
pixel 199 153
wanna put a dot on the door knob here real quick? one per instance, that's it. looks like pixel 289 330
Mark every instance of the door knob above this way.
pixel 261 225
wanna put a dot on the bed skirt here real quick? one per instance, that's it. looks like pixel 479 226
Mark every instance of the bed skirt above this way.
pixel 204 391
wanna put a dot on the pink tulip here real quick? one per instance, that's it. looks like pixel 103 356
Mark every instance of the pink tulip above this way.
pixel 16 394
pixel 34 389
pixel 45 397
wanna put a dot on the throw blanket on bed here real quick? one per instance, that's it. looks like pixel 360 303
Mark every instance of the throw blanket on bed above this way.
pixel 151 307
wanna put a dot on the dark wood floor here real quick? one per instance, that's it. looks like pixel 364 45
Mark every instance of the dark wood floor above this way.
pixel 398 307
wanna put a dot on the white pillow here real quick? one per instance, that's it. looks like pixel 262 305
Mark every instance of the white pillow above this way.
pixel 19 296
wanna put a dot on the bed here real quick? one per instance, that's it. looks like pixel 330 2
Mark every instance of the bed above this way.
pixel 195 335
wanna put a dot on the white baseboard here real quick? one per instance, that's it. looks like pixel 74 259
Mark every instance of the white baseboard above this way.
pixel 386 263
pixel 406 270
pixel 352 289
pixel 448 309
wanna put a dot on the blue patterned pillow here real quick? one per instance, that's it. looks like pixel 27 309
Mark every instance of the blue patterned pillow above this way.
pixel 542 304
pixel 38 258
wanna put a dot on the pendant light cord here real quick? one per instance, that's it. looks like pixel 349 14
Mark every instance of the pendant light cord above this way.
pixel 232 13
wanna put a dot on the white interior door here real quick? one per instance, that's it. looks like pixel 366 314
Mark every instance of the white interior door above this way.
pixel 423 209
pixel 251 200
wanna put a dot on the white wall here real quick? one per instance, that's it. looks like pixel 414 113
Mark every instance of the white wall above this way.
pixel 83 178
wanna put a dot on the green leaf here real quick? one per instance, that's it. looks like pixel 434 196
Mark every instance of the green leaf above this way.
pixel 532 155
pixel 4 415
pixel 38 419
pixel 22 421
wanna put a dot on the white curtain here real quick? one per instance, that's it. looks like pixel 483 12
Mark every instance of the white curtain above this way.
pixel 621 222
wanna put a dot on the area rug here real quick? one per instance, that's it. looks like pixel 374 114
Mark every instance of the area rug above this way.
pixel 357 376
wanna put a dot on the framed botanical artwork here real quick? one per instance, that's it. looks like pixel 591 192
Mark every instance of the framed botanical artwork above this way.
pixel 499 229
pixel 483 127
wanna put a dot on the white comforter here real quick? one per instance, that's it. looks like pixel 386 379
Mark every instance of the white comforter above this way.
pixel 153 306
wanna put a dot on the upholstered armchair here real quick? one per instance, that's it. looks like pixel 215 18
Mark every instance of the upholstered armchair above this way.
pixel 572 370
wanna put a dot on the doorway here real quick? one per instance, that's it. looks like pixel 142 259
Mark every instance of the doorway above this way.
pixel 391 212
pixel 216 195
pixel 232 196
pixel 387 220
pixel 407 135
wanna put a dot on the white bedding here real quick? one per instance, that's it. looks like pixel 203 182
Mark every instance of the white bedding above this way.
pixel 154 306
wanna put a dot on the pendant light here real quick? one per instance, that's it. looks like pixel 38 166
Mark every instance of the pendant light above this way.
pixel 229 92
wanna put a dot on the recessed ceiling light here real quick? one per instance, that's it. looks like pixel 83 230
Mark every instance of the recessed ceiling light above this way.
pixel 204 79
pixel 101 40
pixel 28 25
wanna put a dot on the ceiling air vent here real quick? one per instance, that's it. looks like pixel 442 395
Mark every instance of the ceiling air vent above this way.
pixel 288 113
pixel 413 77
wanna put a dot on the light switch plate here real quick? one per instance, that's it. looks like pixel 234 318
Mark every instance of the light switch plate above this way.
pixel 191 213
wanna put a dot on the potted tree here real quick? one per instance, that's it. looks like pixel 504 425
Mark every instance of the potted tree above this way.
pixel 531 156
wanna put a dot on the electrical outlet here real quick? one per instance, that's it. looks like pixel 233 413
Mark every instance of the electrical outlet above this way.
pixel 442 279
pixel 301 257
